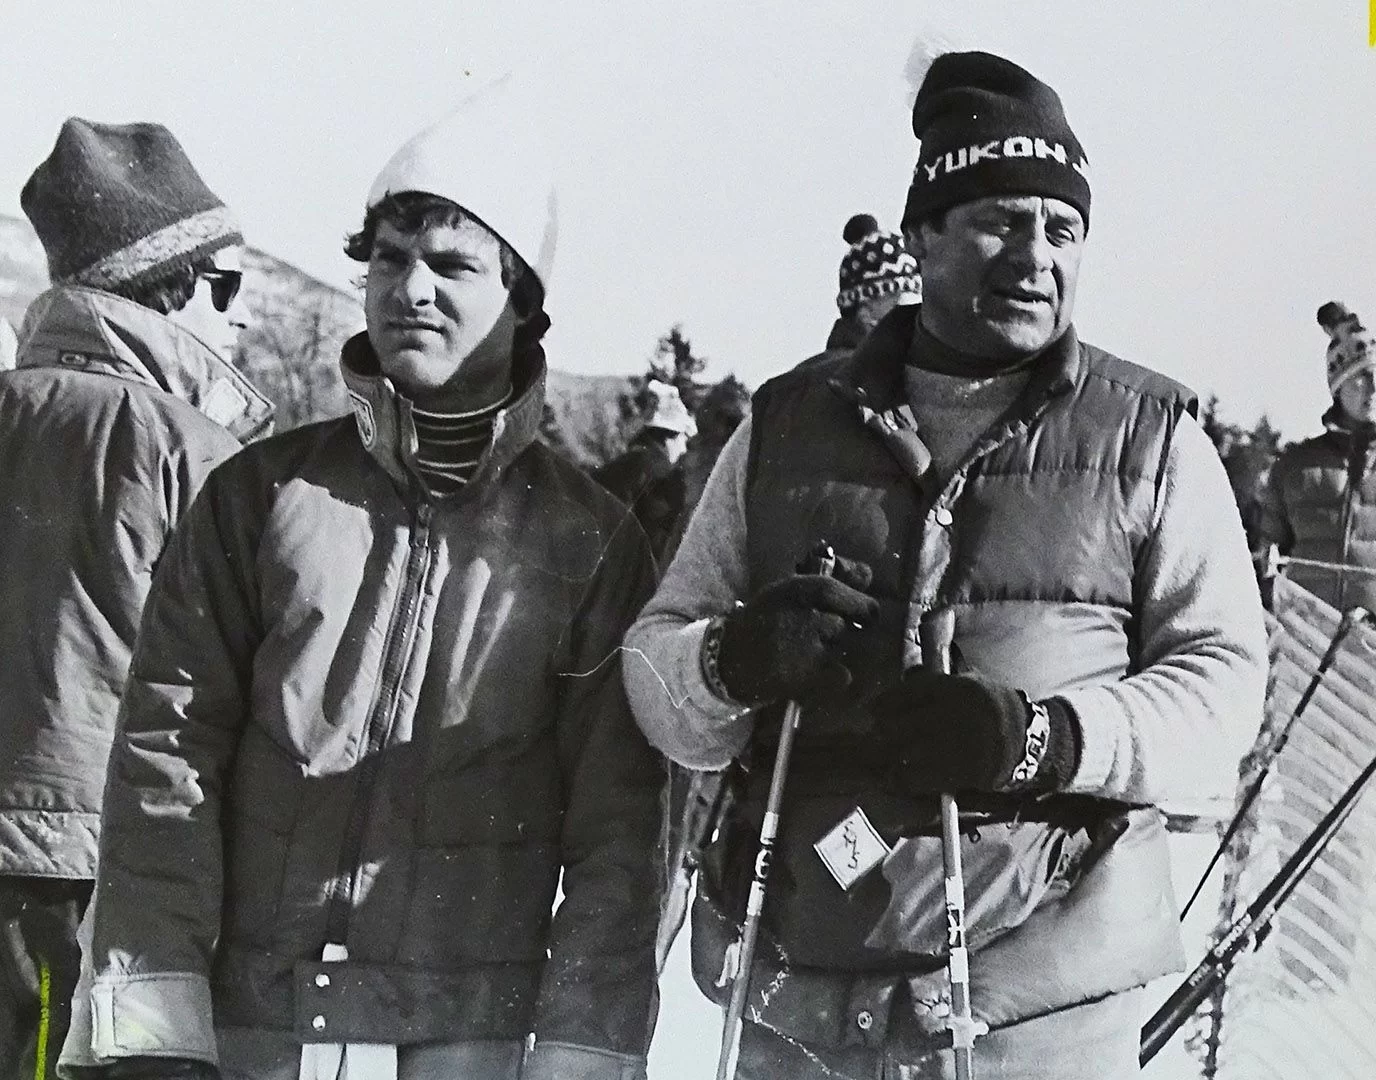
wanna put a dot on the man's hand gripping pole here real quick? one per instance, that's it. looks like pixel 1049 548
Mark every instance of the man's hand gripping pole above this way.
pixel 936 633
pixel 821 561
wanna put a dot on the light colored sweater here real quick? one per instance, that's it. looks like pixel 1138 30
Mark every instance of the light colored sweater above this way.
pixel 1173 731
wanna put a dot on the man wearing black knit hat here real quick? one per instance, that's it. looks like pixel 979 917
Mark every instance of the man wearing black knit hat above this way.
pixel 972 460
pixel 122 400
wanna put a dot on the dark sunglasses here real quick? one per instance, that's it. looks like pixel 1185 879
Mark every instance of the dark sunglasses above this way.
pixel 224 286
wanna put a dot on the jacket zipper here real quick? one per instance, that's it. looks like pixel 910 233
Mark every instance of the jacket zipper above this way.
pixel 401 635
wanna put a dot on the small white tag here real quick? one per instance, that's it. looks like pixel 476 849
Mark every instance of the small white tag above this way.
pixel 224 402
pixel 852 849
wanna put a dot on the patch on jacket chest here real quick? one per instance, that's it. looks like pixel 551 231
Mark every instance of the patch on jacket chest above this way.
pixel 363 416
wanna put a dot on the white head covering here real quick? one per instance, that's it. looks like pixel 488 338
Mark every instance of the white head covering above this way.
pixel 489 158
pixel 665 410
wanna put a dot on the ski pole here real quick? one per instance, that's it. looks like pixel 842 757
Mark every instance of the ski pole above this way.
pixel 936 632
pixel 1247 928
pixel 1350 619
pixel 824 562
pixel 1282 561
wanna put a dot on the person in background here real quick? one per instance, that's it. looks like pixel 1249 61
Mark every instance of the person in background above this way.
pixel 648 477
pixel 375 718
pixel 1318 505
pixel 877 272
pixel 122 400
pixel 1319 501
pixel 971 459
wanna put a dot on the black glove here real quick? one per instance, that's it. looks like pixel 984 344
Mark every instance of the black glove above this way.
pixel 158 1068
pixel 784 642
pixel 969 733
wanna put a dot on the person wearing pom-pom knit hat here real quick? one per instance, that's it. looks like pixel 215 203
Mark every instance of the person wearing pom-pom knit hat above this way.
pixel 971 458
pixel 1319 500
pixel 877 272
pixel 1319 504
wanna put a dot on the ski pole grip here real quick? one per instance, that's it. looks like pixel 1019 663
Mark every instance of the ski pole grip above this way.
pixel 820 560
pixel 935 633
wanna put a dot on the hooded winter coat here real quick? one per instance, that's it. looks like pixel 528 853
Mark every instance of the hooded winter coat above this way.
pixel 108 426
pixel 1320 503
pixel 363 715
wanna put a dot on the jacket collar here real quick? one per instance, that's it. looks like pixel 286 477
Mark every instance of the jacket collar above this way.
pixel 876 366
pixel 1336 420
pixel 872 379
pixel 90 330
pixel 387 428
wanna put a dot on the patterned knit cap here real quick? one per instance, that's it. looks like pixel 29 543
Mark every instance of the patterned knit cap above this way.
pixel 878 263
pixel 1352 348
pixel 120 203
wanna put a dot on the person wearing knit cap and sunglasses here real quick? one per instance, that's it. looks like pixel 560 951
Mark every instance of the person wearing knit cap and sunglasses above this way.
pixel 1052 518
pixel 375 718
pixel 876 273
pixel 122 399
pixel 1319 500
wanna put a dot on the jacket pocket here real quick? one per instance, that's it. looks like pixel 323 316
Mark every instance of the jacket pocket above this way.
pixel 1010 869
pixel 259 819
pixel 894 916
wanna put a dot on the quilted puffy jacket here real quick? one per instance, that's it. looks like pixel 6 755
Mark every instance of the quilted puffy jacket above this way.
pixel 109 425
pixel 365 716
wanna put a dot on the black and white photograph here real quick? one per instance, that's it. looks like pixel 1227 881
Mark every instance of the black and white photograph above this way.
pixel 826 540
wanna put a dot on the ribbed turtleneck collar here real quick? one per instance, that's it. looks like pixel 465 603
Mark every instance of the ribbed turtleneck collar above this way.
pixel 931 354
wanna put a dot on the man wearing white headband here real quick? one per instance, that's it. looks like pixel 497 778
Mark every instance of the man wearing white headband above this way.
pixel 376 715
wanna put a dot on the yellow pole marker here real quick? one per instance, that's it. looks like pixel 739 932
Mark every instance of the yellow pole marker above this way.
pixel 45 993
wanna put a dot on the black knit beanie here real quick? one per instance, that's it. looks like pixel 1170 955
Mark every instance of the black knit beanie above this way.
pixel 990 128
pixel 121 203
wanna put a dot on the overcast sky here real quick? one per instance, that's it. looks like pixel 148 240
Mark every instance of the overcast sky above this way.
pixel 713 152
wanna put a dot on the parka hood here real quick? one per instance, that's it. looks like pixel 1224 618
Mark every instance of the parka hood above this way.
pixel 92 330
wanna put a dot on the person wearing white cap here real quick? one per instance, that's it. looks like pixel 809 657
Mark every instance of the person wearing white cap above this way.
pixel 376 715
pixel 649 476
